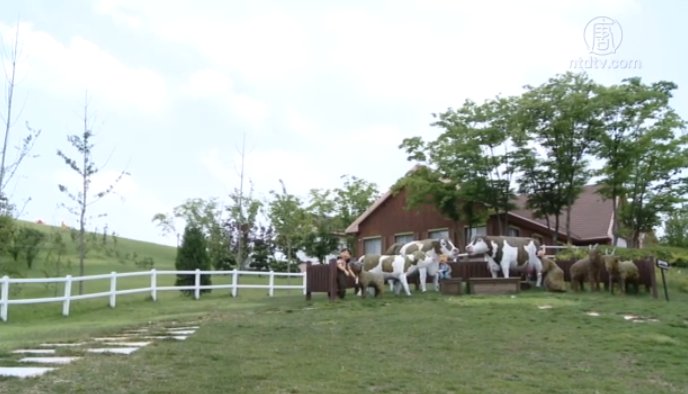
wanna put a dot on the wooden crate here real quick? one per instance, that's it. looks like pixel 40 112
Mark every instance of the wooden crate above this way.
pixel 494 286
pixel 451 286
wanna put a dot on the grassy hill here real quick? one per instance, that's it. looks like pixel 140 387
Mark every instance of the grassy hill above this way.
pixel 104 254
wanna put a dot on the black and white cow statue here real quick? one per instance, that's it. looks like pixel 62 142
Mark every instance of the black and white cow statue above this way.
pixel 432 249
pixel 505 253
pixel 390 267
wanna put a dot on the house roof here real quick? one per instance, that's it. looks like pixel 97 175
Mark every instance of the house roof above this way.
pixel 591 216
pixel 353 227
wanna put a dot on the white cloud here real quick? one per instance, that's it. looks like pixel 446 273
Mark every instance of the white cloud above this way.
pixel 212 84
pixel 80 65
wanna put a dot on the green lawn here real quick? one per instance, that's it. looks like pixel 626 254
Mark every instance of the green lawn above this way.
pixel 424 343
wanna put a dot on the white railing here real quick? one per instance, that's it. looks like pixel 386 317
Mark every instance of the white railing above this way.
pixel 68 280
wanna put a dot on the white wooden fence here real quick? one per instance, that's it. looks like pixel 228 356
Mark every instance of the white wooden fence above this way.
pixel 153 289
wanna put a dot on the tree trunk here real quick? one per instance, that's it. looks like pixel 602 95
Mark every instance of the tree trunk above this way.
pixel 568 224
pixel 555 236
pixel 615 221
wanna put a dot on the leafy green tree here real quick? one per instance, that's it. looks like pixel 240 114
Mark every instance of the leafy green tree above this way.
pixel 191 255
pixel 242 225
pixel 562 117
pixel 676 228
pixel 643 154
pixel 322 238
pixel 290 220
pixel 468 171
pixel 31 241
pixel 351 200
pixel 263 248
pixel 84 198
pixel 207 215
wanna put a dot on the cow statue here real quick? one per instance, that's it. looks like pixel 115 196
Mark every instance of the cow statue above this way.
pixel 430 264
pixel 505 253
pixel 396 267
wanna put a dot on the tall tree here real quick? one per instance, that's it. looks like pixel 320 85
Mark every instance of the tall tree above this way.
pixel 562 116
pixel 290 221
pixel 84 165
pixel 467 172
pixel 7 168
pixel 322 237
pixel 639 139
pixel 242 225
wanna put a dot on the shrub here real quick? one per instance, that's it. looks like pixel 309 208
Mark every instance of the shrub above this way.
pixel 191 255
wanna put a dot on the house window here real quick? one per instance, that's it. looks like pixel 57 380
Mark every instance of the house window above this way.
pixel 474 231
pixel 512 232
pixel 372 245
pixel 403 238
pixel 438 234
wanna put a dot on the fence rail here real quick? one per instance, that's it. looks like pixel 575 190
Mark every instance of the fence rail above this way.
pixel 153 289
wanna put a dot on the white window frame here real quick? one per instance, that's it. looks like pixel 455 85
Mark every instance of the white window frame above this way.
pixel 470 232
pixel 375 238
pixel 437 230
pixel 405 234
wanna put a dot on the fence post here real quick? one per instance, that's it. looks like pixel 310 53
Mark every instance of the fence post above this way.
pixel 305 282
pixel 4 297
pixel 67 295
pixel 235 282
pixel 271 285
pixel 154 284
pixel 197 284
pixel 113 289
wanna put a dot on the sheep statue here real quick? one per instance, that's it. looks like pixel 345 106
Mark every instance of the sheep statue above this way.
pixel 626 271
pixel 553 275
pixel 587 269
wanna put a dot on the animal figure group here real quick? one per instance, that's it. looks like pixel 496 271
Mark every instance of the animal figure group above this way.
pixel 400 261
pixel 505 254
pixel 589 270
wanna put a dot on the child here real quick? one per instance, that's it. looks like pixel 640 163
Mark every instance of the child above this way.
pixel 445 269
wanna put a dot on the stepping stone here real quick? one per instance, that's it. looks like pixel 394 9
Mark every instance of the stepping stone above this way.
pixel 23 372
pixel 177 337
pixel 34 351
pixel 107 339
pixel 129 344
pixel 49 360
pixel 545 307
pixel 181 332
pixel 592 314
pixel 115 350
pixel 62 344
pixel 183 328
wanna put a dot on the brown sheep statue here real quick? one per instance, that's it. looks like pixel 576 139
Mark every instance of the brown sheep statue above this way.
pixel 625 271
pixel 554 276
pixel 367 279
pixel 587 270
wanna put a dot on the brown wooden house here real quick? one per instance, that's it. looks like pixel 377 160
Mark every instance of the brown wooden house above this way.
pixel 388 221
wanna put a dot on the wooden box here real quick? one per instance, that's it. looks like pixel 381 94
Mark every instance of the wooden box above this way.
pixel 494 286
pixel 451 286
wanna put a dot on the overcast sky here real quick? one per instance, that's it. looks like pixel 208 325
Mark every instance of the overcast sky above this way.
pixel 320 88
